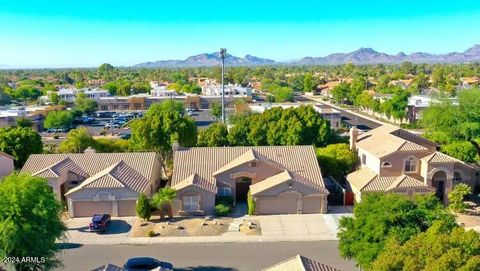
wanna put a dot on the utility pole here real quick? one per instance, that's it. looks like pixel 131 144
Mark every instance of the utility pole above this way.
pixel 223 54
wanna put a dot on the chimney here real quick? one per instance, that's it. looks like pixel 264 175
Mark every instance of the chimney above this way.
pixel 90 150
pixel 353 137
pixel 175 146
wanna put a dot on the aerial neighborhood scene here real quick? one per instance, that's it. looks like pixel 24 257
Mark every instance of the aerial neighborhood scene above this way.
pixel 220 136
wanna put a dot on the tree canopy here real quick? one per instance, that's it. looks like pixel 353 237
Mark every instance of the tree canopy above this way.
pixel 439 248
pixel 29 221
pixel 214 136
pixel 59 119
pixel 380 217
pixel 162 125
pixel 336 160
pixel 20 142
pixel 85 104
pixel 447 122
pixel 77 141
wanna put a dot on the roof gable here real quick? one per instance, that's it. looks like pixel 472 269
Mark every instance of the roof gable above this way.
pixel 248 156
pixel 205 161
pixel 197 181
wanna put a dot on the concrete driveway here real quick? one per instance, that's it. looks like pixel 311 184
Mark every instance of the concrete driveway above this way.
pixel 118 228
pixel 309 226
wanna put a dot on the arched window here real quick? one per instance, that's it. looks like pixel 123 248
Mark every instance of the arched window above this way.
pixel 457 178
pixel 410 165
pixel 386 164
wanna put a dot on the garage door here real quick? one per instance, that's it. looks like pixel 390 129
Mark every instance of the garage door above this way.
pixel 283 204
pixel 88 208
pixel 126 207
pixel 312 206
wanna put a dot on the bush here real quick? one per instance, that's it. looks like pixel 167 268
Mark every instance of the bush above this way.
pixel 456 197
pixel 251 204
pixel 150 233
pixel 224 200
pixel 222 210
pixel 103 132
pixel 143 207
pixel 56 136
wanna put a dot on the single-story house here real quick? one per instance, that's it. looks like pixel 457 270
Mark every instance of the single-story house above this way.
pixel 6 164
pixel 300 263
pixel 98 182
pixel 281 179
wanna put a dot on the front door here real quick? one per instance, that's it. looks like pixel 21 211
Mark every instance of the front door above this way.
pixel 241 189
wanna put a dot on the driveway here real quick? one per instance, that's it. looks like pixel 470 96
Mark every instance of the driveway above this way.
pixel 118 228
pixel 308 226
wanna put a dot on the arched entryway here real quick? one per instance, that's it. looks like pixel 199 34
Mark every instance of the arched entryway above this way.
pixel 438 181
pixel 242 185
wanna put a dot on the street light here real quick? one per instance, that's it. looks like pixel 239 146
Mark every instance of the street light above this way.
pixel 223 54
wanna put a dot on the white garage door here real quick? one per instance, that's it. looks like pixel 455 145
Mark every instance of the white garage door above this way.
pixel 88 208
pixel 312 206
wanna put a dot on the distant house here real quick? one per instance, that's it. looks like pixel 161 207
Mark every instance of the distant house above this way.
pixel 98 182
pixel 281 179
pixel 418 103
pixel 393 160
pixel 230 90
pixel 300 263
pixel 6 164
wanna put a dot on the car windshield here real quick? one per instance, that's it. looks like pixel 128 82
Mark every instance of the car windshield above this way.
pixel 97 218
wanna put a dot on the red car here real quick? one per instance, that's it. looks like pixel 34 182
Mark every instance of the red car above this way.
pixel 99 222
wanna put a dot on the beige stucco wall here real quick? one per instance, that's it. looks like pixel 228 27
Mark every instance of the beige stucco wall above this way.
pixel 372 162
pixel 91 193
pixel 397 160
pixel 6 165
pixel 207 200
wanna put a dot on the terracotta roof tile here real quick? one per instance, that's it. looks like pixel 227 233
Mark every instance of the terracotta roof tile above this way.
pixel 196 181
pixel 300 263
pixel 205 161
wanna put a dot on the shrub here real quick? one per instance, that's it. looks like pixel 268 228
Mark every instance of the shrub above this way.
pixel 143 207
pixel 150 233
pixel 456 197
pixel 56 136
pixel 251 204
pixel 103 132
pixel 222 210
pixel 224 200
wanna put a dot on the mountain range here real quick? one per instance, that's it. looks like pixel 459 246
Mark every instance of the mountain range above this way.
pixel 360 56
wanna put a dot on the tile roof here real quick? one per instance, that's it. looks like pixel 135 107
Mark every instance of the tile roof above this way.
pixel 280 178
pixel 61 167
pixel 108 267
pixel 366 180
pixel 92 163
pixel 387 139
pixel 197 181
pixel 300 263
pixel 248 156
pixel 438 157
pixel 205 161
pixel 115 176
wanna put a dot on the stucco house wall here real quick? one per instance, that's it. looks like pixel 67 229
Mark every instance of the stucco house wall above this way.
pixel 397 163
pixel 6 165
pixel 206 201
pixel 371 161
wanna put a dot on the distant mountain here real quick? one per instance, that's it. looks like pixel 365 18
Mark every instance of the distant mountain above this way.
pixel 360 56
pixel 212 59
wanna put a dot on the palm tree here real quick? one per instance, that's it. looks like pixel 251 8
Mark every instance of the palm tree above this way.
pixel 163 200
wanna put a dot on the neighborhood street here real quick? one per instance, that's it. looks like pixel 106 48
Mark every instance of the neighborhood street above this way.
pixel 215 257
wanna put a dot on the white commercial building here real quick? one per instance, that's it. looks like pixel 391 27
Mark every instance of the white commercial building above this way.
pixel 216 90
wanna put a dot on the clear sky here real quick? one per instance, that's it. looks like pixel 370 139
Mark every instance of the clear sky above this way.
pixel 86 33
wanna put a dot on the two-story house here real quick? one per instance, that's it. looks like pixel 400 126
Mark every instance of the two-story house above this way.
pixel 395 160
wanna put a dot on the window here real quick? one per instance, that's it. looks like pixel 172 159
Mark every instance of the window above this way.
pixel 224 191
pixel 74 182
pixel 253 163
pixel 190 203
pixel 411 165
pixel 457 178
pixel 364 159
pixel 386 164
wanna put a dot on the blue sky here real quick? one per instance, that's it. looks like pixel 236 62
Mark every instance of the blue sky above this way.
pixel 87 33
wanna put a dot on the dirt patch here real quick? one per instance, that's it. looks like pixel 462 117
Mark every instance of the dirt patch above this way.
pixel 471 216
pixel 251 227
pixel 180 226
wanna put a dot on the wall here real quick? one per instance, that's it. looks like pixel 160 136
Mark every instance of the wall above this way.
pixel 397 160
pixel 6 165
pixel 372 162
pixel 207 200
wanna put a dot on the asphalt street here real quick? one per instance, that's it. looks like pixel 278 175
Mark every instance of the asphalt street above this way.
pixel 214 257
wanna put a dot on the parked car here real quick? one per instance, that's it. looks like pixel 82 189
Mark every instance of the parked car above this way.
pixel 99 222
pixel 146 263
pixel 52 130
